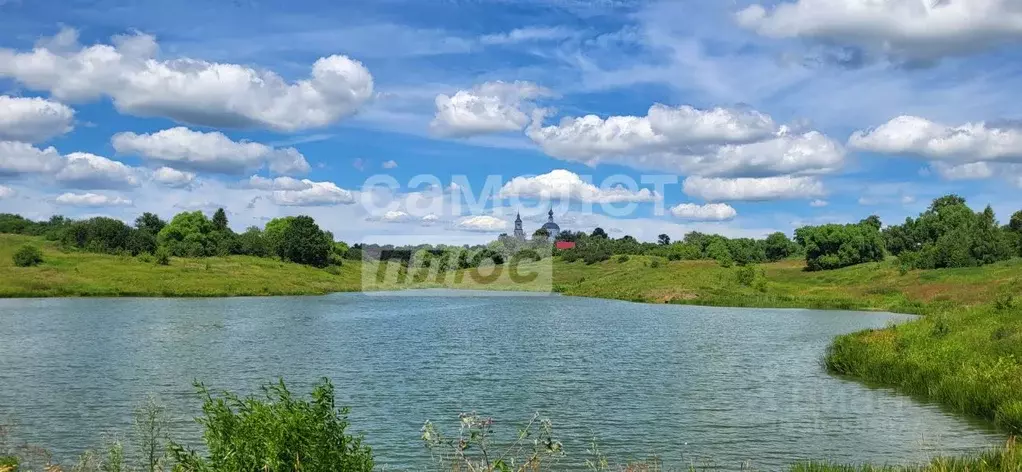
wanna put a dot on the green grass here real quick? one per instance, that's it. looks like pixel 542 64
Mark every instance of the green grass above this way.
pixel 1007 459
pixel 874 286
pixel 81 274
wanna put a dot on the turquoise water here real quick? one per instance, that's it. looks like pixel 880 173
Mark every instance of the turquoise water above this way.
pixel 690 384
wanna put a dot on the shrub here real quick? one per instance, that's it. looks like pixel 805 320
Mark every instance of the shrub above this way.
pixel 595 256
pixel 162 256
pixel 28 256
pixel 746 275
pixel 278 433
pixel 655 263
pixel 622 258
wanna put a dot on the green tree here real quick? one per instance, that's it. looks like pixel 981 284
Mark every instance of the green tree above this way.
pixel 252 243
pixel 220 220
pixel 833 246
pixel 150 222
pixel 777 246
pixel 188 234
pixel 663 240
pixel 274 231
pixel 279 433
pixel 304 243
pixel 599 233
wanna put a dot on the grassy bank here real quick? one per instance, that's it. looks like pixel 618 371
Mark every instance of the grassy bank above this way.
pixel 73 274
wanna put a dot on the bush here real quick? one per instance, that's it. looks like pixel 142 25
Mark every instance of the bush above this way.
pixel 278 433
pixel 746 275
pixel 655 263
pixel 595 256
pixel 622 258
pixel 28 256
pixel 162 256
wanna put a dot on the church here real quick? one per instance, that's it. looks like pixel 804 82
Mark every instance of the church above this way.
pixel 551 228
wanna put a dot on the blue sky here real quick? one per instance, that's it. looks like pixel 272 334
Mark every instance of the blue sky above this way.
pixel 768 115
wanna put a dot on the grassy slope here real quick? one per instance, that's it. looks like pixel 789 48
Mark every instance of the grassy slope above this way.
pixel 876 286
pixel 85 274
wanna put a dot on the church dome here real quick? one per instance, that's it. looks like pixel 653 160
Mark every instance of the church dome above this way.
pixel 552 227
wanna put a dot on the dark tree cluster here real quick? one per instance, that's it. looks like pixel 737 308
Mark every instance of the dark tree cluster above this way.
pixel 598 246
pixel 189 234
pixel 834 246
pixel 950 234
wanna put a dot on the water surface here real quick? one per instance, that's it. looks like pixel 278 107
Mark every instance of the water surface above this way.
pixel 689 384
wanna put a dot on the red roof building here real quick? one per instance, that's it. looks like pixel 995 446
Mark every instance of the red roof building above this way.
pixel 564 245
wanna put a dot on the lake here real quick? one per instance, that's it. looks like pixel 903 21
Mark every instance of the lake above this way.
pixel 692 385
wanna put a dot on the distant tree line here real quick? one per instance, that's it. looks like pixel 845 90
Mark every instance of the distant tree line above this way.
pixel 598 246
pixel 189 234
pixel 947 234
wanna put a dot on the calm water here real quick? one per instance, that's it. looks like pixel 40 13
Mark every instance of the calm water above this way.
pixel 689 384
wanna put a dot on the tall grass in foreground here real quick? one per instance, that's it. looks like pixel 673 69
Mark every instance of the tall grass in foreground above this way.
pixel 1008 459
pixel 966 359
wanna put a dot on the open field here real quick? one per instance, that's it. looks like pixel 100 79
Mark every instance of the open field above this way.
pixel 73 274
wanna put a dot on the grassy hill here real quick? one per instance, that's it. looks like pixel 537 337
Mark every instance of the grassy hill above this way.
pixel 101 275
pixel 874 286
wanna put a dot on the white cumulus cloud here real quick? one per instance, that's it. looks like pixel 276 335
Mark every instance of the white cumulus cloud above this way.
pixel 391 164
pixel 33 119
pixel 970 142
pixel 183 148
pixel 753 189
pixel 131 72
pixel 909 29
pixel 491 107
pixel 481 223
pixel 683 139
pixel 279 183
pixel 173 177
pixel 18 158
pixel 561 184
pixel 818 203
pixel 89 171
pixel 316 194
pixel 7 192
pixel 91 200
pixel 708 212
pixel 970 171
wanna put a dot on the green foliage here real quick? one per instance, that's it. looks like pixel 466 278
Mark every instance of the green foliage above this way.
pixel 833 246
pixel 187 235
pixel 622 258
pixel 28 256
pixel 950 234
pixel 663 240
pixel 746 275
pixel 253 243
pixel 655 263
pixel 277 433
pixel 968 359
pixel 594 256
pixel 220 220
pixel 599 233
pixel 304 243
pixel 149 222
pixel 777 246
pixel 99 234
pixel 273 233
pixel 162 256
